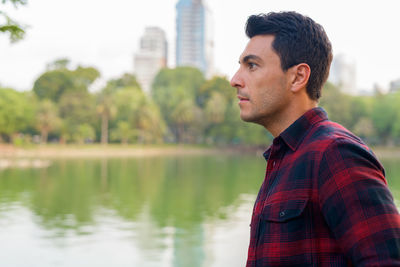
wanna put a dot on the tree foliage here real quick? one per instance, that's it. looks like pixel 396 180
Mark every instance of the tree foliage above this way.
pixel 16 112
pixel 9 26
pixel 59 80
pixel 183 107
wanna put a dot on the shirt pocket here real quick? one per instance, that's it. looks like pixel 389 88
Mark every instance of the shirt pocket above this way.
pixel 284 211
pixel 284 232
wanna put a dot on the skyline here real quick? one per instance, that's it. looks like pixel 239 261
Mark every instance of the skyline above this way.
pixel 107 36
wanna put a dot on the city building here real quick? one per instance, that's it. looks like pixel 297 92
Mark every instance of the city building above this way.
pixel 343 74
pixel 194 42
pixel 394 86
pixel 151 57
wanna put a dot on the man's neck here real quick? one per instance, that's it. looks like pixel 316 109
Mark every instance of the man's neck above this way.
pixel 287 118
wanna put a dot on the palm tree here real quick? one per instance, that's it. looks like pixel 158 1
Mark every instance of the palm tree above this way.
pixel 106 109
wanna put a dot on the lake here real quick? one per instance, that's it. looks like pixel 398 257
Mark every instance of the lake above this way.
pixel 150 211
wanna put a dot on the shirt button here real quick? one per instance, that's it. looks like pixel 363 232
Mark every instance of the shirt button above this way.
pixel 273 164
pixel 282 213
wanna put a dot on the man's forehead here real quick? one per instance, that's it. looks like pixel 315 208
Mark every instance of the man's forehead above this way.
pixel 258 46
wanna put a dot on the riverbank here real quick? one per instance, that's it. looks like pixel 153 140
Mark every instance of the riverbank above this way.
pixel 116 150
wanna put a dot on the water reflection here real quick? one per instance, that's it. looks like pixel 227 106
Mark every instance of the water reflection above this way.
pixel 166 210
pixel 160 211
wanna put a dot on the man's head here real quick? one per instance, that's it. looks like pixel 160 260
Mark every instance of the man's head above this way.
pixel 298 39
pixel 282 68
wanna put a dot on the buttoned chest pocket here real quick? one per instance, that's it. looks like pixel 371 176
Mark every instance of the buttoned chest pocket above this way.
pixel 286 218
pixel 284 232
pixel 284 211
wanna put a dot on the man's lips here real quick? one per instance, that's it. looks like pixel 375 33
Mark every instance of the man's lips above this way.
pixel 242 98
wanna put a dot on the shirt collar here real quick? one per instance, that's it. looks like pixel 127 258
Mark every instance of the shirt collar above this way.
pixel 296 132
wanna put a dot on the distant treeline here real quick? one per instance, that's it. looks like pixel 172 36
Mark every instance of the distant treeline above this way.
pixel 183 107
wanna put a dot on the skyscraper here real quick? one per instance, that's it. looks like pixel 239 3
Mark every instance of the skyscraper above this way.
pixel 194 43
pixel 151 57
pixel 343 74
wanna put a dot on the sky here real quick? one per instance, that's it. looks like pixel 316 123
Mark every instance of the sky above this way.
pixel 105 34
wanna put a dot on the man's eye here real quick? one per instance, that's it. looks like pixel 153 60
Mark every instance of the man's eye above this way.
pixel 252 65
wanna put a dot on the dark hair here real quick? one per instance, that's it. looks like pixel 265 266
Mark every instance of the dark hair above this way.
pixel 298 39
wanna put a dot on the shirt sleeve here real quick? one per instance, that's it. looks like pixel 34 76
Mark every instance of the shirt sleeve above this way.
pixel 357 204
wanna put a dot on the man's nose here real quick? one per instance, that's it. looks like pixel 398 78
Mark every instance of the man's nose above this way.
pixel 236 80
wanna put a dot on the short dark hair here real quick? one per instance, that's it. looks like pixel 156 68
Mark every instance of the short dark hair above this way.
pixel 298 39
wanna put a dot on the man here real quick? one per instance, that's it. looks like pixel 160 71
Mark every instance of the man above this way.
pixel 324 200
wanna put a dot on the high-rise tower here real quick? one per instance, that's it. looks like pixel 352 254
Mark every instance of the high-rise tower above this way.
pixel 343 74
pixel 194 43
pixel 152 56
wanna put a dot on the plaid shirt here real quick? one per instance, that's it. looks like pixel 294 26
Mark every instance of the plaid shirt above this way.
pixel 324 201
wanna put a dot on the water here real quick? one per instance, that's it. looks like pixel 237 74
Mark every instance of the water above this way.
pixel 153 211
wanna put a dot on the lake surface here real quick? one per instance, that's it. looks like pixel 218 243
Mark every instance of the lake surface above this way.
pixel 152 211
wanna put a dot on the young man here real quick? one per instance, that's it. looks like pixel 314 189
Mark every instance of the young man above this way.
pixel 324 200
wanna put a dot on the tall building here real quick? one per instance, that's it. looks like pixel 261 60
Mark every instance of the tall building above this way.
pixel 394 86
pixel 343 74
pixel 151 57
pixel 194 43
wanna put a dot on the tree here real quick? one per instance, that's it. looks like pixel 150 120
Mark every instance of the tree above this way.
pixel 337 105
pixel 150 123
pixel 77 108
pixel 46 119
pixel 58 64
pixel 15 30
pixel 58 80
pixel 140 113
pixel 84 133
pixel 174 91
pixel 384 116
pixel 218 85
pixel 52 84
pixel 123 132
pixel 126 80
pixel 106 107
pixel 16 111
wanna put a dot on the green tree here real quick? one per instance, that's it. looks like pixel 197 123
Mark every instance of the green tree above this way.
pixel 140 112
pixel 47 119
pixel 77 108
pixel 365 128
pixel 150 124
pixel 337 105
pixel 15 30
pixel 175 92
pixel 52 84
pixel 218 85
pixel 58 80
pixel 84 132
pixel 106 109
pixel 16 112
pixel 385 114
pixel 58 64
pixel 126 80
pixel 123 132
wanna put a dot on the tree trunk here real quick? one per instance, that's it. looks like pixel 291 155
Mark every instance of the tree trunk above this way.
pixel 104 128
pixel 44 134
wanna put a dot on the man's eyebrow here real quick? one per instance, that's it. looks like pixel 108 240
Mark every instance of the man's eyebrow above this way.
pixel 250 57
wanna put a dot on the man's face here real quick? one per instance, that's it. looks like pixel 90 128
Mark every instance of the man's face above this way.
pixel 262 86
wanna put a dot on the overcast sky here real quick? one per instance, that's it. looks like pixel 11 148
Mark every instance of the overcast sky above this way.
pixel 105 34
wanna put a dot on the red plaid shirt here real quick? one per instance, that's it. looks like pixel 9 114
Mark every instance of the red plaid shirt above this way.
pixel 324 201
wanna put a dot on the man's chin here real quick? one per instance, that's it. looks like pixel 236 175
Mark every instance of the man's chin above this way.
pixel 251 119
pixel 246 118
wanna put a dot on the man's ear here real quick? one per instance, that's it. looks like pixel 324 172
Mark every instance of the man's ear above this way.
pixel 300 76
